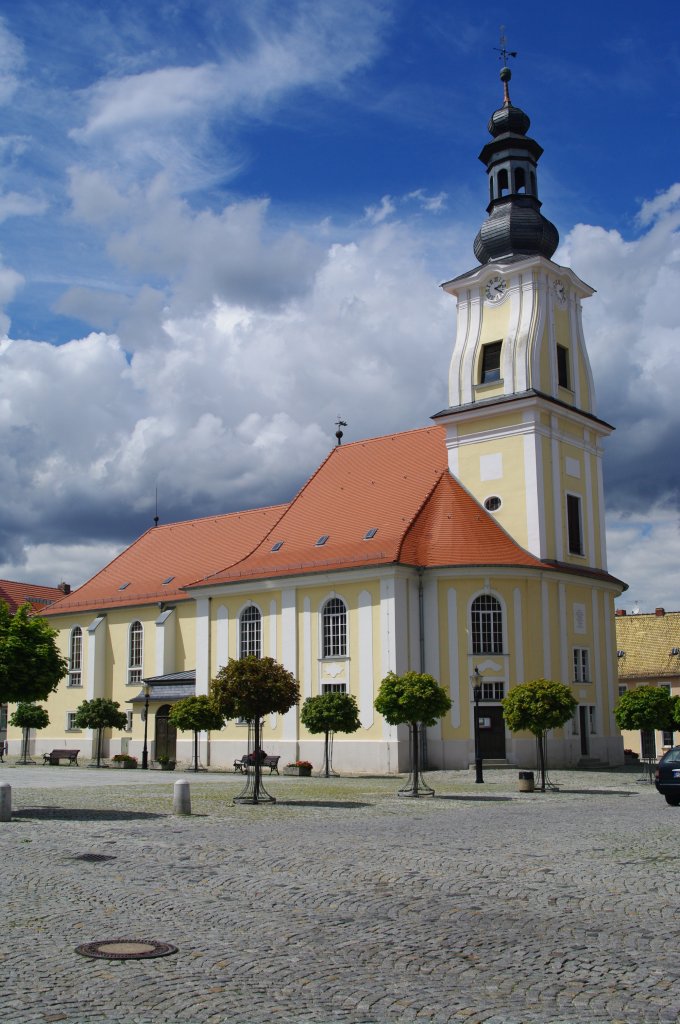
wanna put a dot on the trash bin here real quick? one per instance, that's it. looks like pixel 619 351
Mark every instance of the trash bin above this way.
pixel 526 782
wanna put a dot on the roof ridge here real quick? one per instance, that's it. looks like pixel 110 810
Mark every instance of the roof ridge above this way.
pixel 382 437
pixel 419 512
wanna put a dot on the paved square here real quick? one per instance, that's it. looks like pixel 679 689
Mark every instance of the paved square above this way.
pixel 341 903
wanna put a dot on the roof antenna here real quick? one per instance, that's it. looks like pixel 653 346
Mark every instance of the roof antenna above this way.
pixel 506 73
pixel 338 433
pixel 155 518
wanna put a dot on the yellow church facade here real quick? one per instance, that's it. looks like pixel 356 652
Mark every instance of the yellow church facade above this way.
pixel 473 549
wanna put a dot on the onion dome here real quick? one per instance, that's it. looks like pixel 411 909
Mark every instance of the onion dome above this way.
pixel 515 225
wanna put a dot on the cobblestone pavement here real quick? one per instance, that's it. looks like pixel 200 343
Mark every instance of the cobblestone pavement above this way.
pixel 341 904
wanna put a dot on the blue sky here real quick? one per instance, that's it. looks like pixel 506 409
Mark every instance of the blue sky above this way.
pixel 222 224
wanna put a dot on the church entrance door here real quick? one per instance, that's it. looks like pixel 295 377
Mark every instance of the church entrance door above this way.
pixel 491 733
pixel 166 735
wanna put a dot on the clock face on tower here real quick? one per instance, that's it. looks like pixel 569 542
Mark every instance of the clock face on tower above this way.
pixel 560 291
pixel 495 289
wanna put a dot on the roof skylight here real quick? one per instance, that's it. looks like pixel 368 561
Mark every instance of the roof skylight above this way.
pixel 278 545
pixel 124 585
pixel 370 533
pixel 321 541
pixel 168 579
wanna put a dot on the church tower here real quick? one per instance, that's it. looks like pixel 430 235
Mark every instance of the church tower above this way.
pixel 521 429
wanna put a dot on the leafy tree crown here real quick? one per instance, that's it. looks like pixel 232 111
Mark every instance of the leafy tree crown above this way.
pixel 538 705
pixel 29 716
pixel 100 713
pixel 645 707
pixel 330 712
pixel 413 697
pixel 196 714
pixel 30 663
pixel 251 687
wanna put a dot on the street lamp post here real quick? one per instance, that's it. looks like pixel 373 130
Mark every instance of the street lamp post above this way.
pixel 145 750
pixel 477 695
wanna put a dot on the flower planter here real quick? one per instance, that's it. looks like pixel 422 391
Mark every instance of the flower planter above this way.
pixel 169 766
pixel 124 764
pixel 293 770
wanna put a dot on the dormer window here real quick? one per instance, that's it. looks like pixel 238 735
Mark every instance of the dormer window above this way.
pixel 490 370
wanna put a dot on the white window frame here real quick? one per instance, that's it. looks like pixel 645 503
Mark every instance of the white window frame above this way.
pixel 75 660
pixel 135 653
pixel 334 622
pixel 334 687
pixel 581 664
pixel 128 724
pixel 70 726
pixel 491 622
pixel 250 632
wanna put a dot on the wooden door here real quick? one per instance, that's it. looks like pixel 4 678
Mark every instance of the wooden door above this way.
pixel 491 733
pixel 166 735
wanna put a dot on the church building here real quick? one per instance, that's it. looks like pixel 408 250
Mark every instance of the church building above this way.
pixel 472 549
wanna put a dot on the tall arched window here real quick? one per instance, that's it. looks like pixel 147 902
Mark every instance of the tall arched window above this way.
pixel 251 632
pixel 135 654
pixel 75 657
pixel 334 627
pixel 487 625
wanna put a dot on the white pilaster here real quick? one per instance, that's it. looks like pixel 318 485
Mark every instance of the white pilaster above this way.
pixel 222 640
pixel 545 612
pixel 96 658
pixel 564 636
pixel 289 654
pixel 202 645
pixel 519 645
pixel 166 631
pixel 366 685
pixel 454 657
pixel 306 648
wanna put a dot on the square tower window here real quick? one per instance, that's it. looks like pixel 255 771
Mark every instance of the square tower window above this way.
pixel 491 362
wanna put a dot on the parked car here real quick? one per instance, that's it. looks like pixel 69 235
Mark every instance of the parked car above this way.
pixel 668 776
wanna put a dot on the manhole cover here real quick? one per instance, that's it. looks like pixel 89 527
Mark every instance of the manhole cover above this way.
pixel 125 949
pixel 93 858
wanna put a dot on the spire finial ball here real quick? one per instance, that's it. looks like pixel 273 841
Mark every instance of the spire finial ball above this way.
pixel 506 74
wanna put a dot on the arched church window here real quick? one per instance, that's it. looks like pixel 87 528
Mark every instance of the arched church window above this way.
pixel 520 180
pixel 487 625
pixel 250 632
pixel 334 627
pixel 503 184
pixel 135 653
pixel 75 657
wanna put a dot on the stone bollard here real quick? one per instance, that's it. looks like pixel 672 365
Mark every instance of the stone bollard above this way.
pixel 181 803
pixel 5 801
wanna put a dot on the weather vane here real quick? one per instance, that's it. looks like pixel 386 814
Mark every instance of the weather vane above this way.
pixel 506 73
pixel 503 48
pixel 338 433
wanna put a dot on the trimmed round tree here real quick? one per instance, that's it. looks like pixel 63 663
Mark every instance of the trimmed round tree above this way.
pixel 28 716
pixel 417 700
pixel 328 713
pixel 536 707
pixel 30 663
pixel 100 713
pixel 647 708
pixel 251 688
pixel 196 714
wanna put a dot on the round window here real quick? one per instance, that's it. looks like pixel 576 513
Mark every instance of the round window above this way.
pixel 493 503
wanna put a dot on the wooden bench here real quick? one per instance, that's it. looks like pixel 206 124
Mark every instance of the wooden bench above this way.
pixel 55 756
pixel 270 761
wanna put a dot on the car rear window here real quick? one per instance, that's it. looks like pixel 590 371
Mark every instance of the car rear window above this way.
pixel 672 757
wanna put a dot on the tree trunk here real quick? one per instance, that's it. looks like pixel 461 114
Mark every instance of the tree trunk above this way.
pixel 99 747
pixel 541 756
pixel 415 765
pixel 195 750
pixel 326 759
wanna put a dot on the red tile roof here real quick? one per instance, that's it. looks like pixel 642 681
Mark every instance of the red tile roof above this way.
pixel 176 552
pixel 398 485
pixel 15 594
